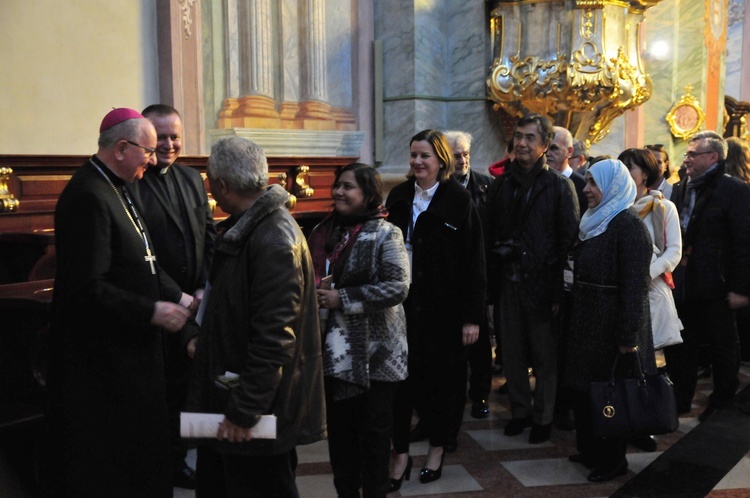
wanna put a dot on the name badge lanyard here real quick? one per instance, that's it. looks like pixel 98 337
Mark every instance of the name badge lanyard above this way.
pixel 134 218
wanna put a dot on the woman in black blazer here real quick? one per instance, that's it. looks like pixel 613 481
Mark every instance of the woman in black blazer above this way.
pixel 445 306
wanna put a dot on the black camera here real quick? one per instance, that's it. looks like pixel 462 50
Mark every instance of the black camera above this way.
pixel 506 249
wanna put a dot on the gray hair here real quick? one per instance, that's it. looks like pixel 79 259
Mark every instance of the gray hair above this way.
pixel 567 136
pixel 712 141
pixel 240 162
pixel 130 129
pixel 455 137
pixel 580 148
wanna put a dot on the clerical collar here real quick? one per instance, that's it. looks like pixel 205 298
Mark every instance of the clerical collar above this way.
pixel 157 171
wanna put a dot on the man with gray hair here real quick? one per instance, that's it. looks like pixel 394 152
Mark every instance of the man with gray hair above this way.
pixel 713 277
pixel 260 322
pixel 479 353
pixel 559 153
pixel 579 159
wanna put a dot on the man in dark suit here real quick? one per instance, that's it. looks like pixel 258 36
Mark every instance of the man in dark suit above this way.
pixel 558 155
pixel 175 209
pixel 712 280
pixel 107 409
pixel 532 223
pixel 479 353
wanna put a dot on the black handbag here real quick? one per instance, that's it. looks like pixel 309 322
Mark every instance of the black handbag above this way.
pixel 639 406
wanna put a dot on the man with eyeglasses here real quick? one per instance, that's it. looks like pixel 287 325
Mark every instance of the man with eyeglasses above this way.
pixel 107 410
pixel 713 278
pixel 579 159
pixel 174 204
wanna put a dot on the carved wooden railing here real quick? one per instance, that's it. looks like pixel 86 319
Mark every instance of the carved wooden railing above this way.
pixel 30 186
pixel 736 113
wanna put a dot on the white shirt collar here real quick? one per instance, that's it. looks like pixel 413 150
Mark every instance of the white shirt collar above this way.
pixel 567 171
pixel 425 194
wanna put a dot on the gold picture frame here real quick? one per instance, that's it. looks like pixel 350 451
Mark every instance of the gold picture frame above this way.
pixel 686 117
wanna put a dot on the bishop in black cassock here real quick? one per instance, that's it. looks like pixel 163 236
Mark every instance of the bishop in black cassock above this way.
pixel 111 305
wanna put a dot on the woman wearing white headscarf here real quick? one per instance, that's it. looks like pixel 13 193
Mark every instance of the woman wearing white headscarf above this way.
pixel 610 314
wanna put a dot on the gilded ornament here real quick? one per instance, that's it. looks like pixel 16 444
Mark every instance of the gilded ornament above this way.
pixel 590 76
pixel 8 203
pixel 686 117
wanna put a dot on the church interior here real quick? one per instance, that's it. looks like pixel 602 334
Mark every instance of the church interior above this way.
pixel 322 83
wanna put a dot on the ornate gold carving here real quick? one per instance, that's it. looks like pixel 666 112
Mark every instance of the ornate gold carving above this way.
pixel 187 20
pixel 587 24
pixel 8 203
pixel 686 117
pixel 582 86
pixel 301 188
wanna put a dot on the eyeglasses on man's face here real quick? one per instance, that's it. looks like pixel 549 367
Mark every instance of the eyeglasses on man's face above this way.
pixel 148 150
pixel 693 155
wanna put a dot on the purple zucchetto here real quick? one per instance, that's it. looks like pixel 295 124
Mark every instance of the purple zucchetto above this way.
pixel 117 116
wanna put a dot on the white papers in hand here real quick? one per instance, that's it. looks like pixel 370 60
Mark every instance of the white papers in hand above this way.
pixel 204 425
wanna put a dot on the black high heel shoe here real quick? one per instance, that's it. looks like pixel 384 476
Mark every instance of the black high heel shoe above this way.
pixel 429 475
pixel 395 484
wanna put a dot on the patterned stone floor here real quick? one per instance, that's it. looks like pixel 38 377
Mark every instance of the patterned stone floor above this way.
pixel 489 464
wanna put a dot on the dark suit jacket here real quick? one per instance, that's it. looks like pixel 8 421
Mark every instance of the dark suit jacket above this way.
pixel 579 181
pixel 478 185
pixel 717 240
pixel 189 268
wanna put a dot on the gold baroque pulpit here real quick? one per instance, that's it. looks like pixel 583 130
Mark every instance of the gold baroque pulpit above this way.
pixel 575 61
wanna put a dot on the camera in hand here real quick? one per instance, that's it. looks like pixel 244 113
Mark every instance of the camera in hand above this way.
pixel 506 249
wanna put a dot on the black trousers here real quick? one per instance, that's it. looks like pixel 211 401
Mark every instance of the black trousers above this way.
pixel 708 322
pixel 480 364
pixel 608 452
pixel 239 476
pixel 435 389
pixel 177 375
pixel 480 377
pixel 359 440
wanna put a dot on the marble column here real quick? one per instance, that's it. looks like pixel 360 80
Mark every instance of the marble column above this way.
pixel 270 68
pixel 313 80
pixel 257 106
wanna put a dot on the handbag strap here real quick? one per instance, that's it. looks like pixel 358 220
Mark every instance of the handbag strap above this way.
pixel 641 375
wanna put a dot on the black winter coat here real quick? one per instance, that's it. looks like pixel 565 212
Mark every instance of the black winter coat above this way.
pixel 448 269
pixel 717 239
pixel 610 303
pixel 478 185
pixel 548 231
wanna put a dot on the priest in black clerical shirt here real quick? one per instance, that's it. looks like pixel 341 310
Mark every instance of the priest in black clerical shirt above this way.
pixel 173 201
